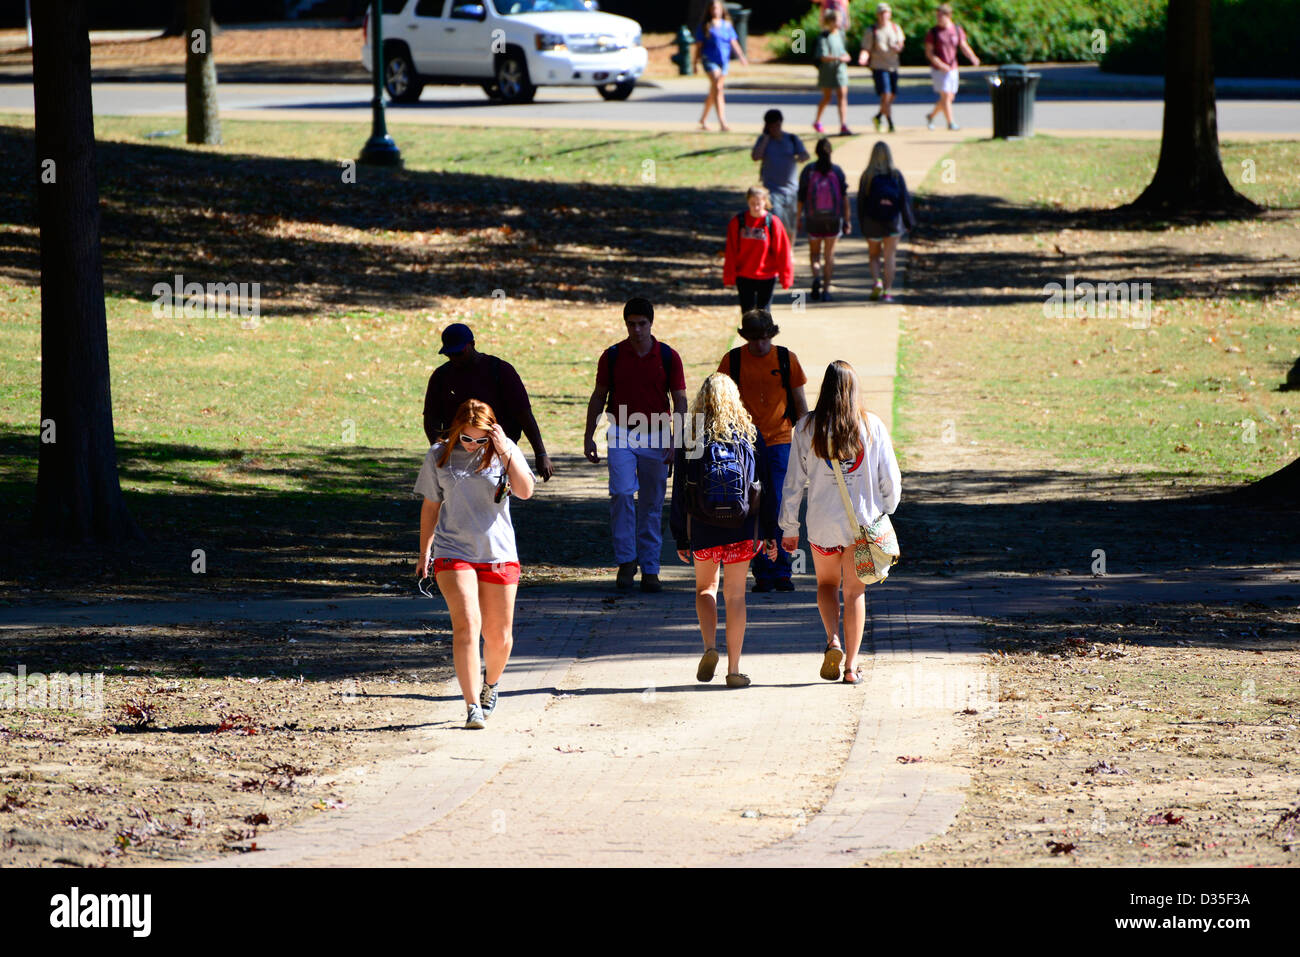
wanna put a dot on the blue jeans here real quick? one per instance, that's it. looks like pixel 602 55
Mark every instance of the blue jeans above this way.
pixel 784 207
pixel 772 462
pixel 637 526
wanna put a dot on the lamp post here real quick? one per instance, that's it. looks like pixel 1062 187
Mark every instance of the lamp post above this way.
pixel 380 148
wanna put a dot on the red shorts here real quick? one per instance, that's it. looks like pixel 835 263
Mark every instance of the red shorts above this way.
pixel 494 573
pixel 828 552
pixel 732 554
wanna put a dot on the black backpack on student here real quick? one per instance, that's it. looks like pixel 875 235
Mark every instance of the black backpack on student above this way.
pixel 782 361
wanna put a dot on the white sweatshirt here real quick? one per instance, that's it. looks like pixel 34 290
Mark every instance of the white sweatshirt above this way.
pixel 873 481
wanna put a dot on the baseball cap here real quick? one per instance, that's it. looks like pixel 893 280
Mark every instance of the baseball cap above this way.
pixel 455 338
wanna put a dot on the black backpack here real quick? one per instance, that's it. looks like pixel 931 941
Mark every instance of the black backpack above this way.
pixel 782 361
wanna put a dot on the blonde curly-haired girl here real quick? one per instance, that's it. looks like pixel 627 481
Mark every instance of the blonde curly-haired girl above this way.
pixel 718 418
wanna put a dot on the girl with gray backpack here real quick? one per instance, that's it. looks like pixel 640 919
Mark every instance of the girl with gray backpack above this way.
pixel 715 515
pixel 885 215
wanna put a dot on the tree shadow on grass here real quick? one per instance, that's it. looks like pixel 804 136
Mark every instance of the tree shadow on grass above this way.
pixel 316 242
pixel 1017 275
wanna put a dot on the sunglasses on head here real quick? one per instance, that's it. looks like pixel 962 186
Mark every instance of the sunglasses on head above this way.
pixel 469 441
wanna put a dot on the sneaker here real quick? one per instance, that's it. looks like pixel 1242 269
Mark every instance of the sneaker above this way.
pixel 929 122
pixel 783 584
pixel 818 127
pixel 954 126
pixel 651 583
pixel 889 297
pixel 487 699
pixel 826 294
pixel 875 121
pixel 845 131
pixel 816 288
pixel 474 720
pixel 764 584
pixel 891 124
pixel 626 573
pixel 877 291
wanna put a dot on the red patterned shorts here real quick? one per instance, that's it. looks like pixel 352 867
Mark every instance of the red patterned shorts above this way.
pixel 493 573
pixel 828 552
pixel 732 554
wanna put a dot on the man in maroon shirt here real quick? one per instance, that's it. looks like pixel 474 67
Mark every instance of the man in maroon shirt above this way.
pixel 469 374
pixel 634 380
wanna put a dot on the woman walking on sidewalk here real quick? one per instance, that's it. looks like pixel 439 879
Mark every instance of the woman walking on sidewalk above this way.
pixel 467 536
pixel 881 45
pixel 832 71
pixel 824 195
pixel 839 434
pixel 716 514
pixel 715 38
pixel 758 253
pixel 885 215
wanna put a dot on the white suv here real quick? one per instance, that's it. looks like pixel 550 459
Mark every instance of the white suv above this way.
pixel 509 47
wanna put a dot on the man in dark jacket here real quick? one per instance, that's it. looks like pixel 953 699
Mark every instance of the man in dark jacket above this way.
pixel 469 374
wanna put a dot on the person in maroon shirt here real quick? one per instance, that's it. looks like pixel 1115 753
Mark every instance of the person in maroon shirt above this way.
pixel 635 379
pixel 942 42
pixel 469 374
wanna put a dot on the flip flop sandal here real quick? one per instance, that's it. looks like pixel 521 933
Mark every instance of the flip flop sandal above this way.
pixel 831 663
pixel 737 681
pixel 853 677
pixel 708 664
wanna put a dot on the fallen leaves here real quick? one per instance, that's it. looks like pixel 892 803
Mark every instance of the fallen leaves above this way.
pixel 1168 817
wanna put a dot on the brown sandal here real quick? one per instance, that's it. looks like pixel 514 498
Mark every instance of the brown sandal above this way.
pixel 853 677
pixel 708 664
pixel 831 663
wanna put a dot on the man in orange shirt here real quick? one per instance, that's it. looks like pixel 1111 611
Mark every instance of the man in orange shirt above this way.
pixel 771 385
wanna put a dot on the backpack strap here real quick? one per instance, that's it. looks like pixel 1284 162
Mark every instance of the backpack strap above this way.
pixel 733 357
pixel 783 362
pixel 612 354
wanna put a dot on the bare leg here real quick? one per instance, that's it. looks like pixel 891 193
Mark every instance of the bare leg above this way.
pixel 855 609
pixel 945 103
pixel 886 103
pixel 826 98
pixel 497 606
pixel 709 101
pixel 722 104
pixel 843 102
pixel 828 260
pixel 828 593
pixel 814 256
pixel 460 589
pixel 891 249
pixel 706 602
pixel 873 251
pixel 733 593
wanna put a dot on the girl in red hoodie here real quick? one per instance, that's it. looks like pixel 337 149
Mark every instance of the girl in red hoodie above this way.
pixel 758 253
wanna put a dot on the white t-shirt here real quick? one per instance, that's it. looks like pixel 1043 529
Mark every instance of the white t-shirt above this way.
pixel 876 43
pixel 471 526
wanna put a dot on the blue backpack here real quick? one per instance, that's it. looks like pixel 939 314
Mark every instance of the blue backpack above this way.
pixel 884 199
pixel 721 484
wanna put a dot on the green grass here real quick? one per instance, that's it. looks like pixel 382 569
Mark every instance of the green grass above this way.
pixel 1194 393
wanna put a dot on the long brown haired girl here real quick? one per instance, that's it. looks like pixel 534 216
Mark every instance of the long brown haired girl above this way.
pixel 466 534
pixel 839 434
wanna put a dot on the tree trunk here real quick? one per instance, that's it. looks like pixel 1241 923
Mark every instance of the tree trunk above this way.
pixel 203 124
pixel 1189 177
pixel 1283 486
pixel 77 490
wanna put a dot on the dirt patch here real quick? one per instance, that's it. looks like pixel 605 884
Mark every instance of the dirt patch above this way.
pixel 1135 736
pixel 197 739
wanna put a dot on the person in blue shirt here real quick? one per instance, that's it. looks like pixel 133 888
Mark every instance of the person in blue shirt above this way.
pixel 715 38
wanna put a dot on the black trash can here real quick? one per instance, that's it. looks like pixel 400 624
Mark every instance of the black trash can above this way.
pixel 1012 91
pixel 740 19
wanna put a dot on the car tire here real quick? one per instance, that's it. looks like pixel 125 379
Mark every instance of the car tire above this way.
pixel 512 80
pixel 616 91
pixel 492 91
pixel 401 82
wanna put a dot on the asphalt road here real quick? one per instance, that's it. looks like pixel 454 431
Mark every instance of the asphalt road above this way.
pixel 676 106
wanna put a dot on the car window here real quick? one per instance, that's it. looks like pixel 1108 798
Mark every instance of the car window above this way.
pixel 430 8
pixel 393 6
pixel 513 7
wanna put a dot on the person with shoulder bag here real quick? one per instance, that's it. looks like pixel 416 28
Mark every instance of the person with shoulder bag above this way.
pixel 716 516
pixel 844 455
